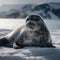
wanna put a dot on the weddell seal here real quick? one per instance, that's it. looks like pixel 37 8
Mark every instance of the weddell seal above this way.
pixel 33 34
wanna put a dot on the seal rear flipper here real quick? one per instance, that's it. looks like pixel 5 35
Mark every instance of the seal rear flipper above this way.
pixel 3 41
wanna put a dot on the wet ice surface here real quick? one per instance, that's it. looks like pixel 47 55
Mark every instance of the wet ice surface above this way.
pixel 32 53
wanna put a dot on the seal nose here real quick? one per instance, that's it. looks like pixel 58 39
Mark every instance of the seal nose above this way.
pixel 29 23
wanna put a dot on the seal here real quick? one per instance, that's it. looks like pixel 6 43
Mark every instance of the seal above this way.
pixel 33 34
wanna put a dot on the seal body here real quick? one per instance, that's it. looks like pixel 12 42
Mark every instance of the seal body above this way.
pixel 34 34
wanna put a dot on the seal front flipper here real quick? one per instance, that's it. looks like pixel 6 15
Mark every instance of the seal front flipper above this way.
pixel 15 46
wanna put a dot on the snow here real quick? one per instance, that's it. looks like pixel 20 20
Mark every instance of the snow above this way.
pixel 32 53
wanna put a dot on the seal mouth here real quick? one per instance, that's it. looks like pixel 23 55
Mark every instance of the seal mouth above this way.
pixel 32 27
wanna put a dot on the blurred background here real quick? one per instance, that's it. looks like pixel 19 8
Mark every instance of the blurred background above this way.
pixel 49 9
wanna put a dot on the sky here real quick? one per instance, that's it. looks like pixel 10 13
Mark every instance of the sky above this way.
pixel 25 1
